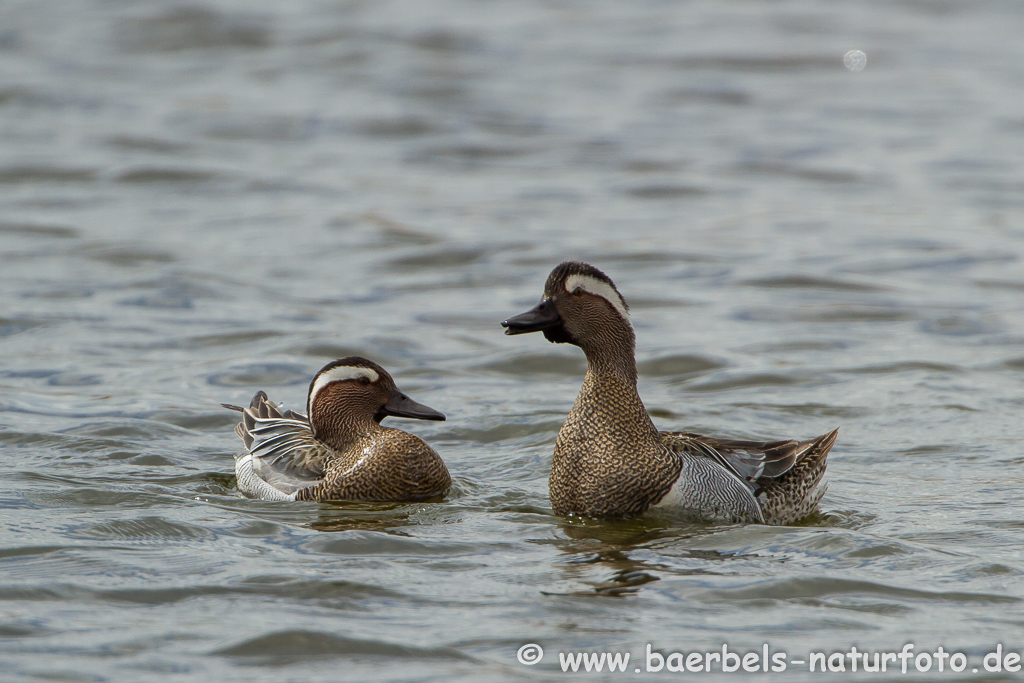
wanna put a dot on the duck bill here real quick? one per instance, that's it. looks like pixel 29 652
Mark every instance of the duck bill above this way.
pixel 543 316
pixel 400 405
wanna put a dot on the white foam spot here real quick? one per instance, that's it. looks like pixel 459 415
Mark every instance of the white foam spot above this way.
pixel 340 374
pixel 599 288
pixel 855 60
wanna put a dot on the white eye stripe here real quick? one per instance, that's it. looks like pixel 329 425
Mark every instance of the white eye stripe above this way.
pixel 598 288
pixel 340 374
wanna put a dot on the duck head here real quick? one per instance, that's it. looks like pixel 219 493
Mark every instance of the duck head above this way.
pixel 581 306
pixel 350 394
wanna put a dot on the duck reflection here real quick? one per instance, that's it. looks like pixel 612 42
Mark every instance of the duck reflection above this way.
pixel 594 546
pixel 388 518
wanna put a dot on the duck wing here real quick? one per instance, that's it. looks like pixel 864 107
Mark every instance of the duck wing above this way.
pixel 748 460
pixel 281 455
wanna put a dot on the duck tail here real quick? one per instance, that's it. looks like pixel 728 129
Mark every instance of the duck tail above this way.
pixel 796 494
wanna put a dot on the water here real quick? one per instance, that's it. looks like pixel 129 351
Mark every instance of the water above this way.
pixel 203 200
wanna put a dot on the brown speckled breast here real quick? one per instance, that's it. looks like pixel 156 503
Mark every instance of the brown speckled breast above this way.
pixel 608 457
pixel 383 465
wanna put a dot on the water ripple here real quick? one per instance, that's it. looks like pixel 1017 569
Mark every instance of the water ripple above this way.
pixel 285 647
pixel 200 201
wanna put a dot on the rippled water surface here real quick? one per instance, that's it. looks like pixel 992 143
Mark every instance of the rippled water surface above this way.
pixel 199 200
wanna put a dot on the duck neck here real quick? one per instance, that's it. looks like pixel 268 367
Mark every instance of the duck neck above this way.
pixel 337 424
pixel 612 353
pixel 341 435
pixel 609 403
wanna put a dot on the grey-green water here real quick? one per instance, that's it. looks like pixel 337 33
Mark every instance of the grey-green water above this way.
pixel 201 200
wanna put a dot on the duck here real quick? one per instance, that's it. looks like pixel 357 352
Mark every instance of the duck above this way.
pixel 338 450
pixel 611 461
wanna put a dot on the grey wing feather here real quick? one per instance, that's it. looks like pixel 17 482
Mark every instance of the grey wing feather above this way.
pixel 747 467
pixel 749 460
pixel 783 478
pixel 280 450
pixel 715 492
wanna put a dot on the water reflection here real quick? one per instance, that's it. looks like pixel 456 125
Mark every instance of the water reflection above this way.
pixel 597 546
pixel 388 518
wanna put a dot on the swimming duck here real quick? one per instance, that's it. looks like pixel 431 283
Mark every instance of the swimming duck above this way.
pixel 340 451
pixel 610 459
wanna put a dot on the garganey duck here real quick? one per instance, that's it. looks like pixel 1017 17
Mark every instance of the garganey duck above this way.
pixel 610 459
pixel 340 451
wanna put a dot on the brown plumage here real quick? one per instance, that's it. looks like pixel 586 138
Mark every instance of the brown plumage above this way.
pixel 340 452
pixel 609 457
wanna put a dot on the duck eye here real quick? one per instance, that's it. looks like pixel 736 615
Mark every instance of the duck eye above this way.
pixel 577 292
pixel 364 381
